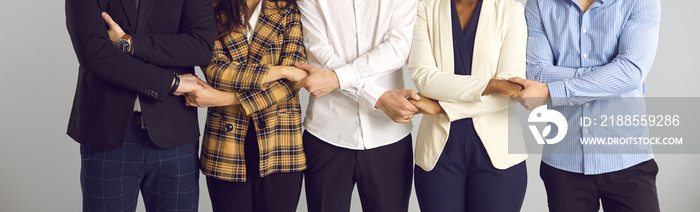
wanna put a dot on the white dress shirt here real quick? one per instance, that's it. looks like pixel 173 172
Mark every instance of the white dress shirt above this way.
pixel 366 42
pixel 253 21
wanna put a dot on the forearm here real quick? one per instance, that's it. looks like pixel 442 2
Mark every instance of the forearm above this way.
pixel 281 72
pixel 460 110
pixel 601 82
pixel 551 73
pixel 97 54
pixel 277 92
pixel 192 46
pixel 443 86
pixel 502 87
pixel 227 98
pixel 228 76
pixel 367 94
pixel 182 50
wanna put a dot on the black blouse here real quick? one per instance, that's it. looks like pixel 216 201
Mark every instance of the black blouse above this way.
pixel 463 41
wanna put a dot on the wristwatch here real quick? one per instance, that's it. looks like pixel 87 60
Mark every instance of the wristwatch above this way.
pixel 124 44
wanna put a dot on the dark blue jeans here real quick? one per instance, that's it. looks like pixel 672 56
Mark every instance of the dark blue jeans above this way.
pixel 169 178
pixel 465 180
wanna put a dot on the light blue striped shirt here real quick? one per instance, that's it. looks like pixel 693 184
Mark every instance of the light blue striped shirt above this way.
pixel 589 61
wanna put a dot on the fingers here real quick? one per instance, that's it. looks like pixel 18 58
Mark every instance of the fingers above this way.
pixel 301 69
pixel 410 108
pixel 518 80
pixel 303 66
pixel 413 95
pixel 188 102
pixel 409 93
pixel 202 83
pixel 318 94
pixel 300 84
pixel 108 19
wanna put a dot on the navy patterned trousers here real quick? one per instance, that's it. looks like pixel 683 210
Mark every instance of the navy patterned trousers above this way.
pixel 168 178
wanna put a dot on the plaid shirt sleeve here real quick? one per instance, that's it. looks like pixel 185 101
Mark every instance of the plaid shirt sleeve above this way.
pixel 228 75
pixel 292 52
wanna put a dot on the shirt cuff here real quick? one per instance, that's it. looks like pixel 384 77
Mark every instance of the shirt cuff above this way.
pixel 371 94
pixel 346 76
pixel 557 93
pixel 581 71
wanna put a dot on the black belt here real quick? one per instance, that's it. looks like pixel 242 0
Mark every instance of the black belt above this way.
pixel 137 121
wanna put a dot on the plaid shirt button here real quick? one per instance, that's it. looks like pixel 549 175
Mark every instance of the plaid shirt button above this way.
pixel 229 127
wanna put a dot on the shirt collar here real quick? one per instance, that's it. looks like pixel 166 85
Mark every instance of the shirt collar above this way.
pixel 595 3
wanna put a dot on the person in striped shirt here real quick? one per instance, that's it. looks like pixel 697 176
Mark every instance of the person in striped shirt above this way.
pixel 589 57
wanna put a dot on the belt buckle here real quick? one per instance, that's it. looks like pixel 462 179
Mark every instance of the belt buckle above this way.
pixel 143 123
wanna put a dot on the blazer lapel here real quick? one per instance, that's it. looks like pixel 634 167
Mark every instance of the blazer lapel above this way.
pixel 272 12
pixel 237 46
pixel 482 39
pixel 268 26
pixel 129 7
pixel 144 13
pixel 444 34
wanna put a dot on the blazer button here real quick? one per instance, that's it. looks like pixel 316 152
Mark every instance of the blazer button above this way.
pixel 228 127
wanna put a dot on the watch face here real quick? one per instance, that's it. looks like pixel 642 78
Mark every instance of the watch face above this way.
pixel 124 45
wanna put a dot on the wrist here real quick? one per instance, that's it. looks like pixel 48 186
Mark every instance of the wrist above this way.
pixel 286 72
pixel 379 104
pixel 124 43
pixel 131 41
pixel 228 98
pixel 175 85
pixel 335 80
pixel 491 87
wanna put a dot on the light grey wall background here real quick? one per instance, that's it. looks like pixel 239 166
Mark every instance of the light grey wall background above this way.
pixel 39 164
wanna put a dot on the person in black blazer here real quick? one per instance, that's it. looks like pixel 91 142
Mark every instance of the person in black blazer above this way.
pixel 136 133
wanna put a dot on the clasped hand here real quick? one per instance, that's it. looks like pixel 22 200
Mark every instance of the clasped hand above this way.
pixel 533 94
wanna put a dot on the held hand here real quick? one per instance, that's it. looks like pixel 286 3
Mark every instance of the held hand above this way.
pixel 294 74
pixel 188 83
pixel 509 88
pixel 427 106
pixel 210 97
pixel 533 94
pixel 395 104
pixel 319 82
pixel 115 31
pixel 502 87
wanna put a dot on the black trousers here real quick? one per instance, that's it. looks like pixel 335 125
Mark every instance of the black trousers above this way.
pixel 632 189
pixel 383 176
pixel 278 192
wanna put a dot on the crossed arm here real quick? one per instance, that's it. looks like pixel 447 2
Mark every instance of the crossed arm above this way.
pixel 572 86
pixel 254 86
pixel 353 79
pixel 97 54
pixel 463 96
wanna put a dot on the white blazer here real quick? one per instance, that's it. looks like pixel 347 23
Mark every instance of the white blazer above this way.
pixel 499 52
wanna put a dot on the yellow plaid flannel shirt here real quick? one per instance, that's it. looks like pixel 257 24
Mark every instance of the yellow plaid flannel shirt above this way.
pixel 273 107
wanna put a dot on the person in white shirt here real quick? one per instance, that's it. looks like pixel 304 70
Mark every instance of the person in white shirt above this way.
pixel 358 120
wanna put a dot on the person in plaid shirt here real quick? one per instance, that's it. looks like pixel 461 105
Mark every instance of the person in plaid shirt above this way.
pixel 252 152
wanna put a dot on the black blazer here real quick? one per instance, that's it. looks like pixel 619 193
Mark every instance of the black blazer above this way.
pixel 169 36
